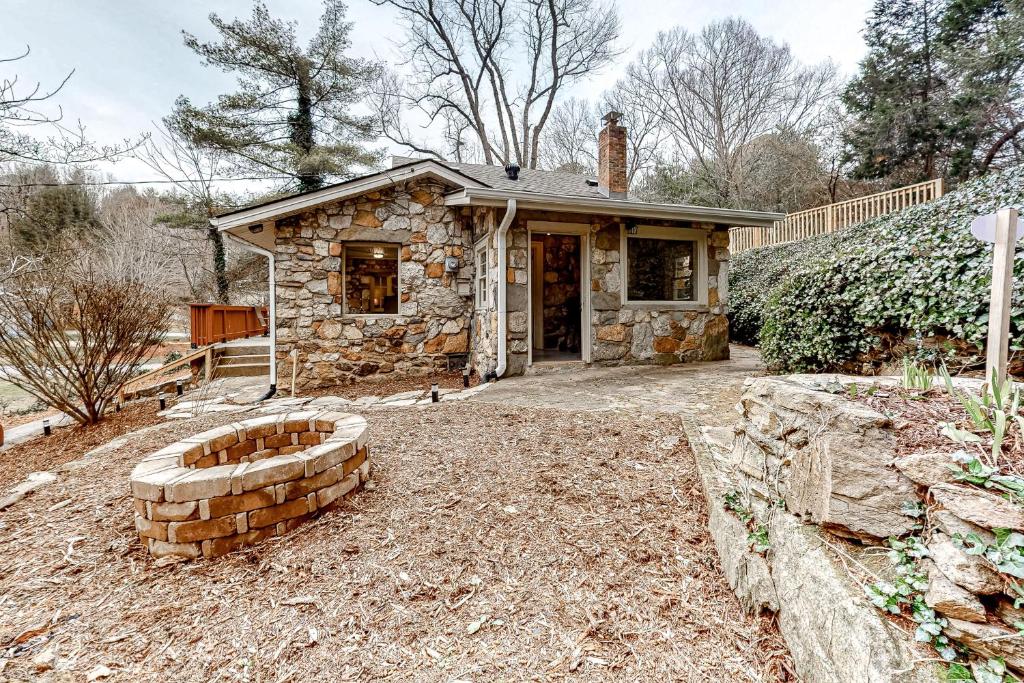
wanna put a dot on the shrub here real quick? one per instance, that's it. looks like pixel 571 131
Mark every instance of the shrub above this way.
pixel 833 301
pixel 77 323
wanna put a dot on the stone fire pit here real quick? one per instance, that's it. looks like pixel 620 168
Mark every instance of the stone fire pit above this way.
pixel 242 483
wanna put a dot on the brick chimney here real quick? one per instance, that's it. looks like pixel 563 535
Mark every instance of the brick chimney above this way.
pixel 611 157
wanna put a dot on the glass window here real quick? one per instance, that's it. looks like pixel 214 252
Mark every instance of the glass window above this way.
pixel 370 274
pixel 481 274
pixel 661 269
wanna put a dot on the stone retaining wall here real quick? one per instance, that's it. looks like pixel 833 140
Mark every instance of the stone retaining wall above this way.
pixel 803 451
pixel 245 482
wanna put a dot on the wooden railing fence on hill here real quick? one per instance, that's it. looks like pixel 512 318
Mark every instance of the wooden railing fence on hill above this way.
pixel 824 219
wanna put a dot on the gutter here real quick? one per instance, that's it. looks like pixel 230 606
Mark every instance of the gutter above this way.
pixel 273 309
pixel 611 207
pixel 506 223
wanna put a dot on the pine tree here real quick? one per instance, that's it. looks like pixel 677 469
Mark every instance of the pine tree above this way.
pixel 898 129
pixel 54 210
pixel 983 44
pixel 291 114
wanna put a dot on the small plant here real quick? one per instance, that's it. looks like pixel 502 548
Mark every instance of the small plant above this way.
pixel 758 539
pixel 979 474
pixel 907 590
pixel 990 412
pixel 171 357
pixel 916 377
pixel 734 503
pixel 1006 555
pixel 993 671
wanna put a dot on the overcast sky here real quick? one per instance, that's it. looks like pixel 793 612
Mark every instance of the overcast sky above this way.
pixel 130 64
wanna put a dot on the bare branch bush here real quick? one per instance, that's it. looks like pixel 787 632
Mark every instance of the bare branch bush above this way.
pixel 80 322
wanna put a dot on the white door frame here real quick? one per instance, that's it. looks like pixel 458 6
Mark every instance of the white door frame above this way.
pixel 558 228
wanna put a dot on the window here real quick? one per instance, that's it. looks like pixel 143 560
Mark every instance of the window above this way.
pixel 666 265
pixel 481 273
pixel 370 277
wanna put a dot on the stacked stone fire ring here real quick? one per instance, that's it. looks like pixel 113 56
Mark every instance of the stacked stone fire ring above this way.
pixel 245 482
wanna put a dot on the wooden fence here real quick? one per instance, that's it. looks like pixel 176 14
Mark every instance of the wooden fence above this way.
pixel 213 323
pixel 823 219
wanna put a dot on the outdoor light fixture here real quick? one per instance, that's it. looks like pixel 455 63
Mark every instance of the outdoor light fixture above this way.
pixel 256 229
pixel 46 428
pixel 179 388
pixel 433 393
pixel 465 377
pixel 163 401
pixel 631 228
pixel 378 252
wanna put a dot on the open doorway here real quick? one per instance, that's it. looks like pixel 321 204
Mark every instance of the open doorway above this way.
pixel 556 297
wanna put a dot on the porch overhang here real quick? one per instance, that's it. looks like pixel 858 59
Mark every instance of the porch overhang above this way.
pixel 612 207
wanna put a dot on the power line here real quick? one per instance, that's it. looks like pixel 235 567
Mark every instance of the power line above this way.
pixel 143 182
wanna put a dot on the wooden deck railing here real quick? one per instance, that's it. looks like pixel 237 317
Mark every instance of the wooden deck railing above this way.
pixel 213 323
pixel 823 219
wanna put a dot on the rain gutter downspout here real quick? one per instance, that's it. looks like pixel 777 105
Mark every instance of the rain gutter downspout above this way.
pixel 506 223
pixel 272 323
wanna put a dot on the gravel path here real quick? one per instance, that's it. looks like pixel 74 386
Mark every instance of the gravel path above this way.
pixel 498 544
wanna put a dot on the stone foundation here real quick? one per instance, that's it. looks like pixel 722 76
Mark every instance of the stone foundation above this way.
pixel 245 482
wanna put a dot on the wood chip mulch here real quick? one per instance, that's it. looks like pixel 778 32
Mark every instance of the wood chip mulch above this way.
pixel 918 416
pixel 69 443
pixel 496 544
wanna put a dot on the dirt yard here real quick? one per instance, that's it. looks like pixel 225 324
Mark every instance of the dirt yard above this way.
pixel 496 543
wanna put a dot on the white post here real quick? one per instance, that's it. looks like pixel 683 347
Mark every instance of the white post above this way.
pixel 1003 254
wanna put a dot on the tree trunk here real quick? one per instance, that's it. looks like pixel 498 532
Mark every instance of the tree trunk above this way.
pixel 301 122
pixel 219 265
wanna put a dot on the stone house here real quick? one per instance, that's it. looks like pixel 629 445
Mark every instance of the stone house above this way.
pixel 431 263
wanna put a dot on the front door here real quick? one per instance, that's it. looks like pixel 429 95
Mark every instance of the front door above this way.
pixel 558 325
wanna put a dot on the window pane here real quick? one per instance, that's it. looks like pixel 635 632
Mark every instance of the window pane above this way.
pixel 371 278
pixel 661 270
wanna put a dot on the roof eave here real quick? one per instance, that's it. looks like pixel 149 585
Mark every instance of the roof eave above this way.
pixel 612 207
pixel 288 205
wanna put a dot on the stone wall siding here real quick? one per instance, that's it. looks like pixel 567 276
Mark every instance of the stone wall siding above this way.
pixel 435 306
pixel 243 483
pixel 624 333
pixel 644 333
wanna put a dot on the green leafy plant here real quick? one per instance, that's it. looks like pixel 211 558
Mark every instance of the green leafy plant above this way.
pixel 907 591
pixel 859 294
pixel 1006 554
pixel 979 474
pixel 916 376
pixel 758 539
pixel 990 411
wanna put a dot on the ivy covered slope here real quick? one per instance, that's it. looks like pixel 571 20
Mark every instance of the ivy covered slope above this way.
pixel 840 300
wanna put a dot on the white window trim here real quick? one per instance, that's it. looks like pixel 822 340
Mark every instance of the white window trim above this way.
pixel 344 281
pixel 700 283
pixel 482 271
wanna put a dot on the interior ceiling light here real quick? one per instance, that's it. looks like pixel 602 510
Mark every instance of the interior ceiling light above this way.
pixel 378 252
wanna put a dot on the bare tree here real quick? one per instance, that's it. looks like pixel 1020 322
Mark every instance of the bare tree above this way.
pixel 721 89
pixel 467 57
pixel 77 324
pixel 569 142
pixel 192 169
pixel 23 111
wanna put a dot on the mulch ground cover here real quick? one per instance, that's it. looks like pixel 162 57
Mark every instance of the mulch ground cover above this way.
pixel 495 544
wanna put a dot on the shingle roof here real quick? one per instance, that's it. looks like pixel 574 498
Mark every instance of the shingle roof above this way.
pixel 530 180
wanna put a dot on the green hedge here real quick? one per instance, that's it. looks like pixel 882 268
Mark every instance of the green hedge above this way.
pixel 830 302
